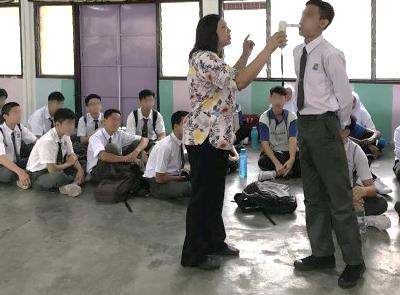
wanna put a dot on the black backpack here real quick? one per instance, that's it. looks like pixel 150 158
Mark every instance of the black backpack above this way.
pixel 155 116
pixel 267 197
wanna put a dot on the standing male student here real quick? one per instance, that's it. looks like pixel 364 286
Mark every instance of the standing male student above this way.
pixel 324 103
pixel 14 141
pixel 3 98
pixel 109 145
pixel 52 164
pixel 42 120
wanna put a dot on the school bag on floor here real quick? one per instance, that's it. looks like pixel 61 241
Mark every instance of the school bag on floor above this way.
pixel 267 197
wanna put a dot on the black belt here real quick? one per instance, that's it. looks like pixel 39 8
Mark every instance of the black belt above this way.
pixel 317 117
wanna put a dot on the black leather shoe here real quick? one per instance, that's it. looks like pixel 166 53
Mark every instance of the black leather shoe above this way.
pixel 351 275
pixel 228 251
pixel 312 263
pixel 209 263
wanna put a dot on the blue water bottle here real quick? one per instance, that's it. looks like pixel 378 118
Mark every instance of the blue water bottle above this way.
pixel 254 138
pixel 243 163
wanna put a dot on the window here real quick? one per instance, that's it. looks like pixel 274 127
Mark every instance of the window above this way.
pixel 243 18
pixel 387 44
pixel 56 40
pixel 178 34
pixel 10 49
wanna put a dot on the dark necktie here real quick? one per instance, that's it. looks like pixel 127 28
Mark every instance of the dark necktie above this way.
pixel 17 156
pixel 52 123
pixel 182 157
pixel 96 124
pixel 110 139
pixel 60 159
pixel 144 128
pixel 300 89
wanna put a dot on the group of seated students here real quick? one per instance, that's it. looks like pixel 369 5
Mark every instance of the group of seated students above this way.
pixel 47 156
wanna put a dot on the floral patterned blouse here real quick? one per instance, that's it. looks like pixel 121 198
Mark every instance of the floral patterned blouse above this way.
pixel 212 89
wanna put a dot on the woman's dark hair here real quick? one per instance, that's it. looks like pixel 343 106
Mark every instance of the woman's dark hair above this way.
pixel 206 34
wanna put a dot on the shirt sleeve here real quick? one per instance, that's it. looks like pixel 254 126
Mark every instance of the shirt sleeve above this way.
pixel 131 124
pixel 127 139
pixel 216 71
pixel 335 67
pixel 358 132
pixel 397 143
pixel 160 126
pixel 27 136
pixel 162 157
pixel 47 153
pixel 361 164
pixel 293 128
pixel 96 145
pixel 81 127
pixel 35 125
pixel 2 145
pixel 264 132
pixel 368 122
pixel 70 148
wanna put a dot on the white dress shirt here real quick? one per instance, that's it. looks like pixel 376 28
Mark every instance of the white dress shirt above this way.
pixel 131 124
pixel 40 121
pixel 165 157
pixel 46 149
pixel 357 161
pixel 396 141
pixel 326 85
pixel 99 140
pixel 87 129
pixel 6 144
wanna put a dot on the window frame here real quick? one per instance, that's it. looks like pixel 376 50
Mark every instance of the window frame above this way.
pixel 15 4
pixel 159 36
pixel 36 20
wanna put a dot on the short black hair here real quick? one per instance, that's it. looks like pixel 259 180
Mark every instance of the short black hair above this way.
pixel 176 117
pixel 91 96
pixel 326 10
pixel 3 92
pixel 8 107
pixel 146 92
pixel 352 123
pixel 64 114
pixel 56 96
pixel 109 112
pixel 278 90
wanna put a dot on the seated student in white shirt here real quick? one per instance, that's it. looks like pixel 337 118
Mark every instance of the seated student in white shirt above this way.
pixel 396 140
pixel 109 146
pixel 53 166
pixel 89 123
pixel 15 145
pixel 278 131
pixel 42 120
pixel 3 98
pixel 146 121
pixel 364 192
pixel 164 169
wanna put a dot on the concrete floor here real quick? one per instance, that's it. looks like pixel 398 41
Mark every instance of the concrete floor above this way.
pixel 51 244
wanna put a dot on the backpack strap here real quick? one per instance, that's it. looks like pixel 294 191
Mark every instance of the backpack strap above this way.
pixel 85 120
pixel 4 137
pixel 155 117
pixel 135 114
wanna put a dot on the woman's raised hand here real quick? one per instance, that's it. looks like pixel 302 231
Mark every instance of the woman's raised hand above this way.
pixel 277 40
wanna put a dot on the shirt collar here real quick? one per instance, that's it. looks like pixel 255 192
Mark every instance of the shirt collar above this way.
pixel 175 139
pixel 46 112
pixel 106 135
pixel 314 43
pixel 8 129
pixel 90 118
pixel 140 115
pixel 55 135
pixel 271 114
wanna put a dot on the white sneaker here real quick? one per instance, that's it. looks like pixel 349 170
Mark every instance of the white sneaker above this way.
pixel 381 222
pixel 21 186
pixel 71 190
pixel 266 175
pixel 381 188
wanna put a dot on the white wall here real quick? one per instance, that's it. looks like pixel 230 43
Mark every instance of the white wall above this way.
pixel 210 7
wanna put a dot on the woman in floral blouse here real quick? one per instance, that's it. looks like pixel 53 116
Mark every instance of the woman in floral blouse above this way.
pixel 209 135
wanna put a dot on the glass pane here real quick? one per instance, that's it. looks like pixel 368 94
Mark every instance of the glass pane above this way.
pixel 178 29
pixel 243 22
pixel 387 44
pixel 10 49
pixel 356 46
pixel 56 40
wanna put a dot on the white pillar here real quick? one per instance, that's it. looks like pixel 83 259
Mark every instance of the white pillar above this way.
pixel 210 7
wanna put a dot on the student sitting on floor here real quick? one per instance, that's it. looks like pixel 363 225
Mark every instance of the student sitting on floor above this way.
pixel 361 114
pixel 278 133
pixel 15 146
pixel 146 121
pixel 52 164
pixel 166 164
pixel 89 123
pixel 364 193
pixel 290 104
pixel 109 145
pixel 396 140
pixel 42 120
pixel 3 98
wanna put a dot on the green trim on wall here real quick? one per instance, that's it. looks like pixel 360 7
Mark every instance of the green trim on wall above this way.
pixel 166 102
pixel 378 100
pixel 260 96
pixel 68 89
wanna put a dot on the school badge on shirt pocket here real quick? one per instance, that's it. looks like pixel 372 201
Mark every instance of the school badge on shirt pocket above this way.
pixel 315 67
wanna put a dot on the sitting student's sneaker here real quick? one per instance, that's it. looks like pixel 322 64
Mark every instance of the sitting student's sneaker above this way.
pixel 312 263
pixel 71 190
pixel 397 207
pixel 21 186
pixel 351 275
pixel 381 222
pixel 381 188
pixel 266 175
pixel 228 251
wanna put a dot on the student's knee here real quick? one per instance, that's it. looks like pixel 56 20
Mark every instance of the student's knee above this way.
pixel 265 164
pixel 52 181
pixel 130 148
pixel 375 206
pixel 112 149
pixel 7 176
